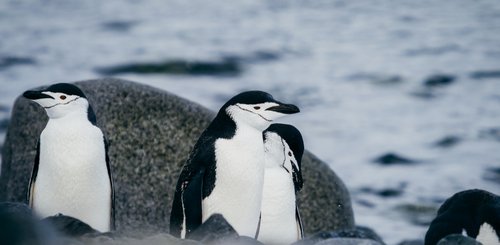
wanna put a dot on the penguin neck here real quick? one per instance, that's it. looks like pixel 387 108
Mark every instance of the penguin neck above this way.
pixel 76 117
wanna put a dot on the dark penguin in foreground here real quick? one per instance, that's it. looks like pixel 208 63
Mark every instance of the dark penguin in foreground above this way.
pixel 473 212
pixel 71 174
pixel 280 219
pixel 225 171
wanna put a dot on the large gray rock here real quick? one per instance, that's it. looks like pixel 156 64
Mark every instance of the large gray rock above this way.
pixel 151 133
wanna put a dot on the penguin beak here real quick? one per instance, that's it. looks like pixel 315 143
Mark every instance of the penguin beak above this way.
pixel 35 95
pixel 284 108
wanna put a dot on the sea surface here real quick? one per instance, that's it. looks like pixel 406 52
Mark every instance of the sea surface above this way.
pixel 400 98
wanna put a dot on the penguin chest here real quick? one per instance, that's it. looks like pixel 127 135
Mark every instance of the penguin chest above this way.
pixel 72 175
pixel 278 221
pixel 239 177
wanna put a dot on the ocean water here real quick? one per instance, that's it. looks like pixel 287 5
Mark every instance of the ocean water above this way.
pixel 420 79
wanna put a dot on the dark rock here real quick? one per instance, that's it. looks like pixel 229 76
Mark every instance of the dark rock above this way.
pixel 385 193
pixel 69 226
pixel 226 67
pixel 439 80
pixel 433 51
pixel 417 214
pixel 255 57
pixel 348 241
pixel 151 133
pixel 393 159
pixel 119 26
pixel 18 226
pixel 214 230
pixel 411 242
pixel 382 79
pixel 490 133
pixel 492 174
pixel 6 62
pixel 457 239
pixel 448 141
pixel 242 240
pixel 485 74
pixel 4 124
pixel 359 232
pixel 466 210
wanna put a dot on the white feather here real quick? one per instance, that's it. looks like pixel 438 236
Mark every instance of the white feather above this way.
pixel 72 176
pixel 278 220
pixel 487 235
pixel 239 178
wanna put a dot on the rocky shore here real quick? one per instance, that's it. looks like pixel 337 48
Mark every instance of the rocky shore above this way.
pixel 151 132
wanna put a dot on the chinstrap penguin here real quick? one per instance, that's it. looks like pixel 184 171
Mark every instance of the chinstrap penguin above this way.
pixel 71 174
pixel 225 170
pixel 475 213
pixel 280 219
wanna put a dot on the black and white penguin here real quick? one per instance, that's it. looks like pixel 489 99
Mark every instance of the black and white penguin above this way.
pixel 225 171
pixel 71 174
pixel 475 213
pixel 280 219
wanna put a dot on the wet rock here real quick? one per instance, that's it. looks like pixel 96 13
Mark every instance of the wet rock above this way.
pixel 381 79
pixel 417 214
pixel 348 241
pixel 225 67
pixel 69 226
pixel 18 226
pixel 359 232
pixel 151 133
pixel 448 141
pixel 4 124
pixel 119 26
pixel 457 239
pixel 6 62
pixel 485 74
pixel 255 57
pixel 411 242
pixel 385 193
pixel 439 80
pixel 466 210
pixel 393 159
pixel 214 230
pixel 490 133
pixel 492 174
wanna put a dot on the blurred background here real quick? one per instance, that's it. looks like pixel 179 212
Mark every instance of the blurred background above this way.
pixel 400 98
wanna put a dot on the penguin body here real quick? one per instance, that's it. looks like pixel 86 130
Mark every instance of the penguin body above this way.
pixel 475 213
pixel 224 173
pixel 71 175
pixel 280 219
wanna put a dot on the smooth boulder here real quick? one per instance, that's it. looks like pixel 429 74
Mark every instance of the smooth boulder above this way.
pixel 151 133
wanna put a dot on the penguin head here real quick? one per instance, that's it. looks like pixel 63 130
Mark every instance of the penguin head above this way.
pixel 256 109
pixel 60 99
pixel 284 147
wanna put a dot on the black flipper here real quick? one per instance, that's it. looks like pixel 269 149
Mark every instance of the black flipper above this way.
pixel 300 228
pixel 188 196
pixel 34 173
pixel 108 166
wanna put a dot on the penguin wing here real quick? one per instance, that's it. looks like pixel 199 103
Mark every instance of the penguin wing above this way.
pixel 34 173
pixel 108 167
pixel 186 214
pixel 300 228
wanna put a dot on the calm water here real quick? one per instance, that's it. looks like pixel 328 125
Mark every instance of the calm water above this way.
pixel 357 69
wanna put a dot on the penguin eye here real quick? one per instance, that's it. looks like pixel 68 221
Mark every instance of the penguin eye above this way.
pixel 63 97
pixel 289 153
pixel 256 107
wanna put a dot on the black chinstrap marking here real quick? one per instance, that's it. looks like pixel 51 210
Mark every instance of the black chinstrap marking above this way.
pixel 254 113
pixel 52 106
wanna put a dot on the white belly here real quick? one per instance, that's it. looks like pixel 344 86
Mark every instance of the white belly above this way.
pixel 72 176
pixel 238 185
pixel 278 221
